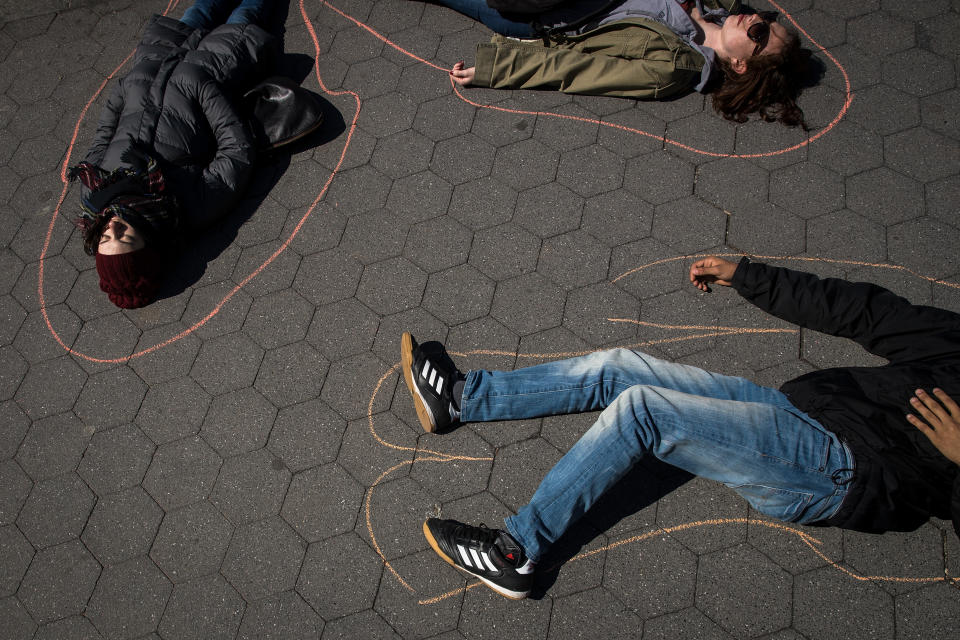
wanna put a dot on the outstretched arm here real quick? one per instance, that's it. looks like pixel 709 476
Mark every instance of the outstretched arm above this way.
pixel 882 322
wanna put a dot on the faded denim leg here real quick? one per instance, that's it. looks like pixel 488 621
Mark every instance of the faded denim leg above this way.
pixel 720 427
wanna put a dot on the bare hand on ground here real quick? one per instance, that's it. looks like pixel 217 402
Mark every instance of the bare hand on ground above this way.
pixel 711 270
pixel 939 422
pixel 462 76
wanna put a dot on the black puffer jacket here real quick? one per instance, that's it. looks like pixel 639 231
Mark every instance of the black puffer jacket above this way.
pixel 900 479
pixel 178 104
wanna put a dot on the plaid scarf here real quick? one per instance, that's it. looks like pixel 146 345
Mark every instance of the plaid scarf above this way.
pixel 138 196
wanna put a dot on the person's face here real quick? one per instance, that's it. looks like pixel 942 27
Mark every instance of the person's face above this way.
pixel 739 46
pixel 119 237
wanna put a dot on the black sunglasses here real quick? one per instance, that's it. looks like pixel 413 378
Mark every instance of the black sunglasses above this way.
pixel 759 32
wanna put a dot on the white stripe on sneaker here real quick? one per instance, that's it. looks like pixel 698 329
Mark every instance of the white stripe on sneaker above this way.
pixel 463 555
pixel 476 558
pixel 486 560
pixel 425 371
pixel 439 385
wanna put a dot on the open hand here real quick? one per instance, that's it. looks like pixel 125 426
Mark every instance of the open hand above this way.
pixel 462 76
pixel 939 422
pixel 711 270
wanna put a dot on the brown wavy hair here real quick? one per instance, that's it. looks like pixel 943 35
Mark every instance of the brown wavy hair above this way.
pixel 770 86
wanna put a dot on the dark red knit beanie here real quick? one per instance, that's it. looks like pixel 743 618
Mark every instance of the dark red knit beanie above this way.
pixel 131 280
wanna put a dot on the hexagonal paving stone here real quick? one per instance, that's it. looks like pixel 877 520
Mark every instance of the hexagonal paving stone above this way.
pixel 15 622
pixel 807 190
pixel 462 159
pixel 931 611
pixel 923 245
pixel 173 410
pixel 50 387
pixel 826 602
pixel 59 581
pixel 12 369
pixel 56 510
pixel 885 196
pixel 346 561
pixel 16 486
pixel 419 197
pixel 182 472
pixel 116 459
pixel 306 434
pixel 918 72
pixel 658 177
pixel 191 542
pixel 482 203
pixel 322 502
pixel 251 486
pixel 282 616
pixel 844 234
pixel 458 295
pixel 129 599
pixel 573 260
pixel 203 609
pixel 591 170
pixel 328 276
pixel 342 329
pixel 438 244
pixel 402 154
pixel 528 303
pixel 227 363
pixel 364 238
pixel 16 552
pixel 504 251
pixel 939 156
pixel 278 319
pixel 238 422
pixel 391 286
pixel 595 610
pixel 617 217
pixel 689 225
pixel 759 605
pixel 122 526
pixel 653 577
pixel 525 164
pixel 548 210
pixel 110 398
pixel 263 559
pixel 291 374
pixel 53 446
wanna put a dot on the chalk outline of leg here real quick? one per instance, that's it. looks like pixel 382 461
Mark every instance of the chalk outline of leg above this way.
pixel 705 331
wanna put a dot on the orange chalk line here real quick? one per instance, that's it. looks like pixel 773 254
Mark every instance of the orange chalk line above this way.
pixel 216 309
pixel 848 96
pixel 283 246
pixel 855 263
pixel 809 540
pixel 435 456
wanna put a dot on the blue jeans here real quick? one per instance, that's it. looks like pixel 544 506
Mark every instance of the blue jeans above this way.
pixel 478 10
pixel 750 438
pixel 207 14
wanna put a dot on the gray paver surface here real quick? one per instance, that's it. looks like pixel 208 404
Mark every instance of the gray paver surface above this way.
pixel 264 476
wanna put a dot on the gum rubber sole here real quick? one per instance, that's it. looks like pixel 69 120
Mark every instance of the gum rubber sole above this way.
pixel 512 595
pixel 406 363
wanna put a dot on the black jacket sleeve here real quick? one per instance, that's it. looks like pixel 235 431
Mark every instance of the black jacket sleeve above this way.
pixel 107 126
pixel 225 177
pixel 882 322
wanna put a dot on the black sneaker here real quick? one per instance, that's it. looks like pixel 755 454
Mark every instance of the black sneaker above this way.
pixel 430 383
pixel 489 554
